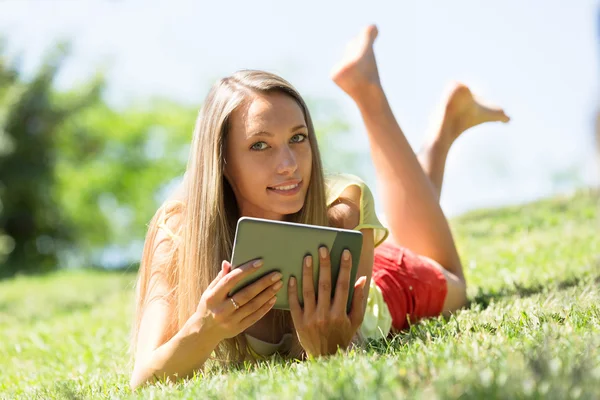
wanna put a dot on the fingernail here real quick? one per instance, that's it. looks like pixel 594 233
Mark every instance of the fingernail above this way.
pixel 292 281
pixel 258 264
pixel 323 252
pixel 346 255
pixel 276 277
pixel 308 261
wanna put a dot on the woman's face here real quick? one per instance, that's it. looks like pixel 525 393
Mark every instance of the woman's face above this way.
pixel 268 156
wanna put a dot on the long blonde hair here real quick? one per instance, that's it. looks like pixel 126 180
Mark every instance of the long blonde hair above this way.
pixel 209 211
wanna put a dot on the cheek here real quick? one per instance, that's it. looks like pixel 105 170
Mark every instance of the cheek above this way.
pixel 252 178
pixel 238 173
pixel 307 160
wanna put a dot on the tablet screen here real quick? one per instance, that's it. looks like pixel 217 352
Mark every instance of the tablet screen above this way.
pixel 283 246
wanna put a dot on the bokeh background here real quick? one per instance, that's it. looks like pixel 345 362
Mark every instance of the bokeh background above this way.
pixel 98 101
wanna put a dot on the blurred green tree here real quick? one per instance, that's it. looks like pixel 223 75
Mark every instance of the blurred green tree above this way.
pixel 32 230
pixel 114 169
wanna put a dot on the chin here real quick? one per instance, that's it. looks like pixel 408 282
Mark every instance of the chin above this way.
pixel 290 210
pixel 287 209
pixel 281 207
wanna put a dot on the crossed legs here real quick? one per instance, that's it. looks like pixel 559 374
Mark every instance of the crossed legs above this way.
pixel 410 185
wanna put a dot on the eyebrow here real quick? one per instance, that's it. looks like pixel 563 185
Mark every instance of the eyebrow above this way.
pixel 269 134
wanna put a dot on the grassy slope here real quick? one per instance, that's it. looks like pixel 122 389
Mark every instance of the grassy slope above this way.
pixel 532 330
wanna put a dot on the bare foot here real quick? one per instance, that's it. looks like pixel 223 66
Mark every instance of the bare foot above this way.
pixel 357 69
pixel 463 110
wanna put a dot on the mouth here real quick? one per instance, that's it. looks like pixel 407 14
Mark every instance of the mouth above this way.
pixel 288 189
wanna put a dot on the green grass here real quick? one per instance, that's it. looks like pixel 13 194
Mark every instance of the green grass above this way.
pixel 531 331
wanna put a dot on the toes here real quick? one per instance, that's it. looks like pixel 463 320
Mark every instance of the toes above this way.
pixel 491 113
pixel 501 115
pixel 372 32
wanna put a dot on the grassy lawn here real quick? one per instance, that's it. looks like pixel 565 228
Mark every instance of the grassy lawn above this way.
pixel 531 331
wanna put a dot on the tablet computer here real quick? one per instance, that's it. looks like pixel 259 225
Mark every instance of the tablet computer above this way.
pixel 283 246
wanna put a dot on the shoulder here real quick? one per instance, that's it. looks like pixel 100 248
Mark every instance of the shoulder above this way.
pixel 167 226
pixel 348 185
pixel 351 205
pixel 344 206
pixel 344 214
pixel 170 215
pixel 337 180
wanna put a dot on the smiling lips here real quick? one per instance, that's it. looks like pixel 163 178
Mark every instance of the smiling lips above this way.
pixel 289 189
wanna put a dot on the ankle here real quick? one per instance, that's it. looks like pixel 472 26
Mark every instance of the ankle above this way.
pixel 369 95
pixel 439 145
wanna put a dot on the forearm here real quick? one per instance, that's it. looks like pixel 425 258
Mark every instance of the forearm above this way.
pixel 177 358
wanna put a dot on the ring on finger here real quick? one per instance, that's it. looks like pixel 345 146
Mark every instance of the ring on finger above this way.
pixel 236 305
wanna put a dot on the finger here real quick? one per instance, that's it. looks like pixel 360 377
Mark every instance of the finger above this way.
pixel 342 287
pixel 235 275
pixel 295 308
pixel 219 275
pixel 256 302
pixel 308 286
pixel 257 315
pixel 357 311
pixel 246 295
pixel 324 298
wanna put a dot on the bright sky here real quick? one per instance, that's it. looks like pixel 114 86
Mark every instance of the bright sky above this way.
pixel 538 59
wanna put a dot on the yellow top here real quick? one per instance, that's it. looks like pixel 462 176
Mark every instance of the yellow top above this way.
pixel 335 186
pixel 377 321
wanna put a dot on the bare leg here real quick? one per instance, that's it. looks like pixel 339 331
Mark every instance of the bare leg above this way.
pixel 460 111
pixel 411 187
pixel 414 214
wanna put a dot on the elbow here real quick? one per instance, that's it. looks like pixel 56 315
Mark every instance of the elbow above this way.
pixel 137 379
pixel 135 382
pixel 143 372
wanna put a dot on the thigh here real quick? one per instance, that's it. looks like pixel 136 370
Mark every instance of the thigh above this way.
pixel 456 295
pixel 411 287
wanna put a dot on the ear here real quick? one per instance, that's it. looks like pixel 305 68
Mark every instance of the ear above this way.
pixel 226 171
pixel 225 166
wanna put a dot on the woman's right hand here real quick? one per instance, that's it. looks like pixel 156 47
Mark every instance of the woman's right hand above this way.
pixel 218 314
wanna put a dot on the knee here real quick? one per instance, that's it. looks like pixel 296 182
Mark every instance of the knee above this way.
pixel 456 295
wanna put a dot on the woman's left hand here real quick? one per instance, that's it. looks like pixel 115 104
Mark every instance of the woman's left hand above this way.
pixel 324 327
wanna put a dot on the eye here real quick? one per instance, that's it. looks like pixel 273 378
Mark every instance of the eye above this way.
pixel 299 138
pixel 257 146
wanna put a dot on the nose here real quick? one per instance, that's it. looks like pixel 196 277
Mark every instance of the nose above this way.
pixel 286 162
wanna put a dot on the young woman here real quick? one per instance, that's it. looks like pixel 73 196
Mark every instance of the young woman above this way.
pixel 254 153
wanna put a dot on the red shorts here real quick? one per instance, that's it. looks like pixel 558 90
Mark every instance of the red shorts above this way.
pixel 412 288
